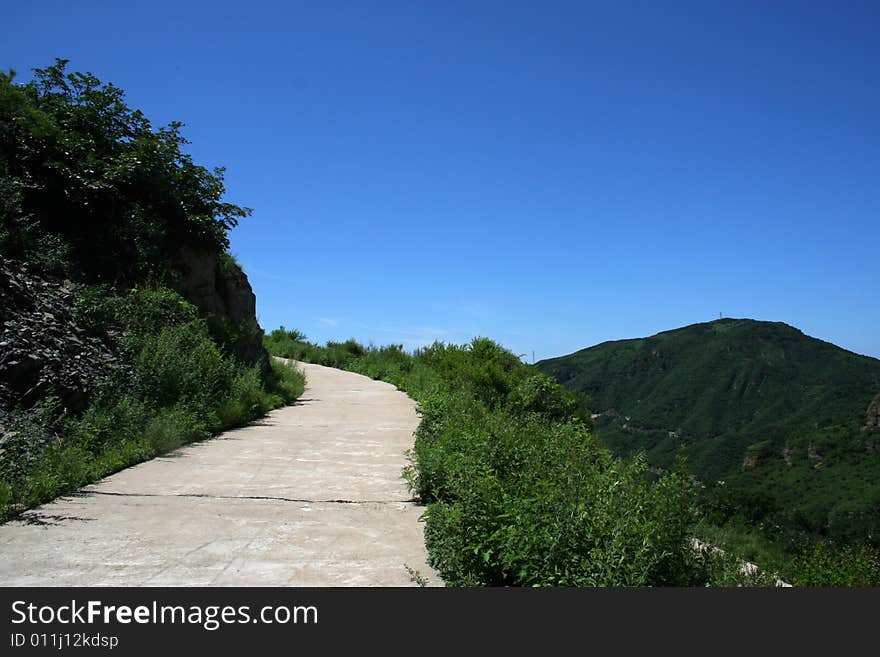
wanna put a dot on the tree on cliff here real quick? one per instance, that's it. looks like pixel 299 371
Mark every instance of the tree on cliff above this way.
pixel 88 187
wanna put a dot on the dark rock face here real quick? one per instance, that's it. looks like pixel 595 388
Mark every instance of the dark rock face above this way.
pixel 222 293
pixel 198 282
pixel 42 349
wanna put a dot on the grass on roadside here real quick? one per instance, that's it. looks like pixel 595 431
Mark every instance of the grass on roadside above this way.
pixel 177 387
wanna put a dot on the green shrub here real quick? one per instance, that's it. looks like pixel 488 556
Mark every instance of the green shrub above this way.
pixel 103 425
pixel 138 311
pixel 25 437
pixel 181 363
pixel 829 565
pixel 63 468
pixel 389 363
pixel 717 567
pixel 7 498
pixel 539 393
pixel 293 345
pixel 172 427
pixel 245 400
pixel 287 379
pixel 538 503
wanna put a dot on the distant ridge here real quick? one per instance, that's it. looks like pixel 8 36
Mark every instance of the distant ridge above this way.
pixel 755 400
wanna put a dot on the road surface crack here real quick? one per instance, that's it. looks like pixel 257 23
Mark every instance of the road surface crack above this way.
pixel 250 497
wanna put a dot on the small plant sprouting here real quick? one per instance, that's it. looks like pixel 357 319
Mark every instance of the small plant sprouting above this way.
pixel 416 576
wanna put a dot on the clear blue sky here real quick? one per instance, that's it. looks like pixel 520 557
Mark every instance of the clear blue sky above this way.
pixel 548 174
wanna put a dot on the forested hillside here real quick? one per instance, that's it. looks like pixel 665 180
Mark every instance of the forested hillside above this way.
pixel 787 422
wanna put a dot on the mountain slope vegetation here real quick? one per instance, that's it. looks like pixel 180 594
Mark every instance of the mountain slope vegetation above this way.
pixel 127 327
pixel 776 424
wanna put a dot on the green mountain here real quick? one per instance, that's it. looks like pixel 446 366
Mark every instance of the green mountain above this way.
pixel 789 422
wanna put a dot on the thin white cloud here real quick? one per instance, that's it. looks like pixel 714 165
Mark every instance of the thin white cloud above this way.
pixel 326 321
pixel 474 309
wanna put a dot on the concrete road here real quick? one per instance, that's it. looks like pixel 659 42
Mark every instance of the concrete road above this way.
pixel 309 496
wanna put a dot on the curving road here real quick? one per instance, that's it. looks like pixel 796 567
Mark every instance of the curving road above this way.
pixel 309 496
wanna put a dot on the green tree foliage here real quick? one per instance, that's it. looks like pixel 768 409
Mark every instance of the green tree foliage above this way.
pixel 88 186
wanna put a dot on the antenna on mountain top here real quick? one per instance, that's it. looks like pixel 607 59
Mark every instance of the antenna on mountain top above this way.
pixel 720 316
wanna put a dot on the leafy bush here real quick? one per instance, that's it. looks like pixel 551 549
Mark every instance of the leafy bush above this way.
pixel 245 400
pixel 538 503
pixel 172 427
pixel 108 422
pixel 541 394
pixel 294 345
pixel 181 363
pixel 139 310
pixel 829 565
pixel 721 568
pixel 26 436
pixel 388 363
pixel 287 380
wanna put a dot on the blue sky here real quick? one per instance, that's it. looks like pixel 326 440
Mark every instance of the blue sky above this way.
pixel 549 174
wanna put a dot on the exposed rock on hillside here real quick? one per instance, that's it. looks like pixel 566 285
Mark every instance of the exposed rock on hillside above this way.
pixel 42 349
pixel 221 291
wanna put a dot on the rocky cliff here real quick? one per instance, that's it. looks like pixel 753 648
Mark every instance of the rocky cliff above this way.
pixel 220 289
pixel 43 350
